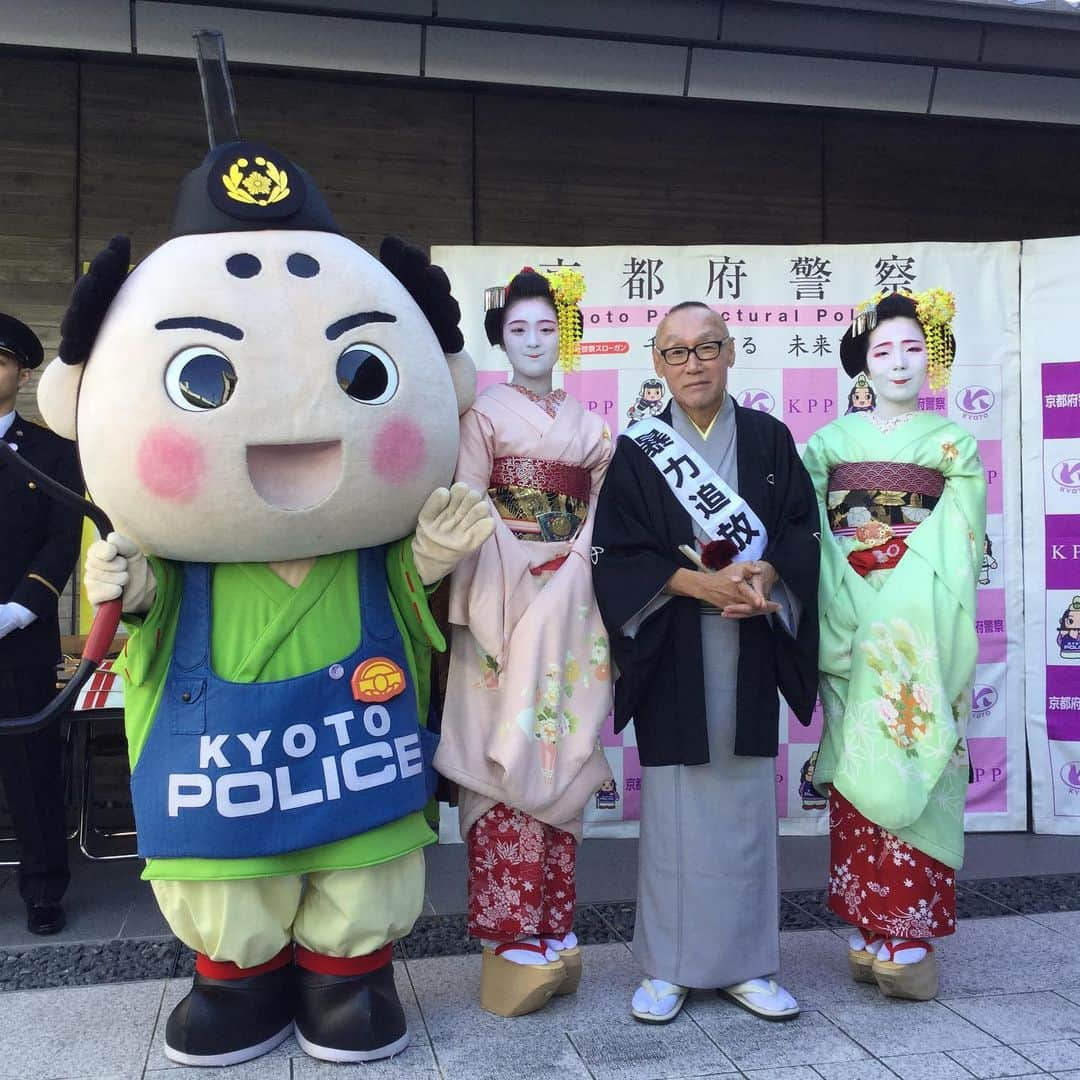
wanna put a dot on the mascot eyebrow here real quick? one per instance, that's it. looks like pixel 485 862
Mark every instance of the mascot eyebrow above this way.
pixel 350 322
pixel 198 322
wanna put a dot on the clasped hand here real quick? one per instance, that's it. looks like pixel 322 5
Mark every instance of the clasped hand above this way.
pixel 741 590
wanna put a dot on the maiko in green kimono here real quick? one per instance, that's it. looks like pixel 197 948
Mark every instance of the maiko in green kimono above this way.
pixel 903 508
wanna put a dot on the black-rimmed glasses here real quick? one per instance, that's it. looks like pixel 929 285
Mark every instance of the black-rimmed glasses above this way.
pixel 704 351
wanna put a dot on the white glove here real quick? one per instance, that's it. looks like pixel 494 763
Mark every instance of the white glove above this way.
pixel 115 567
pixel 452 524
pixel 14 617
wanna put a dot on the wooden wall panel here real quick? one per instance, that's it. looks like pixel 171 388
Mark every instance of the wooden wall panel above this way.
pixel 38 109
pixel 388 160
pixel 558 171
pixel 922 178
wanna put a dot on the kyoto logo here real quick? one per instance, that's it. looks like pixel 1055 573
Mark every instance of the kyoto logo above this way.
pixel 1066 475
pixel 756 398
pixel 975 402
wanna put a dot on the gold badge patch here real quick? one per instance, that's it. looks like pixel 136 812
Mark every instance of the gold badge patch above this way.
pixel 257 183
pixel 378 679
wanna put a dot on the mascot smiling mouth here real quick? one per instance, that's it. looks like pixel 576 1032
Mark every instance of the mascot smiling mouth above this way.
pixel 294 476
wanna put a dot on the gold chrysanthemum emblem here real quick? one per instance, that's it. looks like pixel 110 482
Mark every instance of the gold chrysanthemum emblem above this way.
pixel 260 185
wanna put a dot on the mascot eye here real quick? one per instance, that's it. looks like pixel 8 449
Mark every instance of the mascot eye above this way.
pixel 200 378
pixel 367 374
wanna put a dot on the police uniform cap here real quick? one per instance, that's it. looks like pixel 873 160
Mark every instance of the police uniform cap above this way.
pixel 20 341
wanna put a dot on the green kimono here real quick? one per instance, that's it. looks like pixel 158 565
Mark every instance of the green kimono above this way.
pixel 898 647
pixel 277 632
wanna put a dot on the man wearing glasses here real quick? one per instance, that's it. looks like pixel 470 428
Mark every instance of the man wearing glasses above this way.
pixel 706 566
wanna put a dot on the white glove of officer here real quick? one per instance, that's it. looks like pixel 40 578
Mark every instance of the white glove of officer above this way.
pixel 452 524
pixel 14 617
pixel 115 567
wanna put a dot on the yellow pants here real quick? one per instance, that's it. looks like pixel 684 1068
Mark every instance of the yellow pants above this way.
pixel 333 912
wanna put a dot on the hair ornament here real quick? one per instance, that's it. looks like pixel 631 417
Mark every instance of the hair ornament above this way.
pixel 935 310
pixel 567 289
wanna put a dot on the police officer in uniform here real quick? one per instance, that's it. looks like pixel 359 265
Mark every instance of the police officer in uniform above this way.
pixel 39 544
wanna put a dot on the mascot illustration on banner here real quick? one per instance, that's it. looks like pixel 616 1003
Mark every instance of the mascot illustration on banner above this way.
pixel 269 415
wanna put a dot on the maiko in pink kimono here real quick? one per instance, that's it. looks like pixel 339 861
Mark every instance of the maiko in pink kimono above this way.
pixel 530 675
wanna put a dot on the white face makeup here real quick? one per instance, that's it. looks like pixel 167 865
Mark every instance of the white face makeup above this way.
pixel 896 365
pixel 531 341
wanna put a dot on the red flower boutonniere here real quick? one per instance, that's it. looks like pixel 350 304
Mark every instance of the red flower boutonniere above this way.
pixel 717 554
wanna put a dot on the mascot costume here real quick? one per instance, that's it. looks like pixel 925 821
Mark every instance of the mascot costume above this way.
pixel 268 414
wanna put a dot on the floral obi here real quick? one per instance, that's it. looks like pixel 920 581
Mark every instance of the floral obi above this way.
pixel 540 500
pixel 877 505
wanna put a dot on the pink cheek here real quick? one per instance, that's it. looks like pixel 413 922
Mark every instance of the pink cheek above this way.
pixel 398 451
pixel 170 464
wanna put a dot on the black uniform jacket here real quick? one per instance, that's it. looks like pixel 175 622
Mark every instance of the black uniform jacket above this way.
pixel 39 542
pixel 639 527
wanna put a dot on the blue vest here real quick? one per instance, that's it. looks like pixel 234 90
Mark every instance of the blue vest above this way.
pixel 237 770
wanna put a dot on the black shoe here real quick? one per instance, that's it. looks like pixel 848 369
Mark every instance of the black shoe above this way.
pixel 226 1021
pixel 45 917
pixel 350 1017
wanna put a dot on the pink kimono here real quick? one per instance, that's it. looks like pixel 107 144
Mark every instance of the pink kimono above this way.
pixel 530 671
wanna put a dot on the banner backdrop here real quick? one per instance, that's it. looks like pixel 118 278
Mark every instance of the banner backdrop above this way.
pixel 1051 475
pixel 787 308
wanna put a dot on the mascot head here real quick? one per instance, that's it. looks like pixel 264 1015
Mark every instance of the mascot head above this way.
pixel 260 388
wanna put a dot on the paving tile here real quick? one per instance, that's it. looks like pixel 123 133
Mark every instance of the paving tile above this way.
pixel 84 1031
pixel 1013 1018
pixel 855 1070
pixel 268 1067
pixel 752 1043
pixel 937 1066
pixel 1012 954
pixel 792 1072
pixel 531 1058
pixel 1057 1056
pixel 913 1027
pixel 305 1068
pixel 1066 923
pixel 627 1050
pixel 814 967
pixel 992 1062
pixel 144 918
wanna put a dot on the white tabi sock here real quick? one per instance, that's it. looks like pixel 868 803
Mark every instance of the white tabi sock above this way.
pixel 524 956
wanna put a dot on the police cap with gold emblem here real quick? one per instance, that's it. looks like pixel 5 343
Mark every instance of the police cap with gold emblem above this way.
pixel 18 340
pixel 245 185
pixel 241 185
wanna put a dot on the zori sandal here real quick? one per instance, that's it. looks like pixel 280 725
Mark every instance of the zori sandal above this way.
pixel 510 989
pixel 657 1002
pixel 861 960
pixel 762 997
pixel 571 957
pixel 915 982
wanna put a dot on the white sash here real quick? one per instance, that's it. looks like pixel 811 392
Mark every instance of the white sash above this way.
pixel 718 511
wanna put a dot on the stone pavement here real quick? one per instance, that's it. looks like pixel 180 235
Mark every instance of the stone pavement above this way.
pixel 1009 1006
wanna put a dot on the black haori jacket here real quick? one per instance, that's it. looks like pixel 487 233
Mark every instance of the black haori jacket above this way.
pixel 639 527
